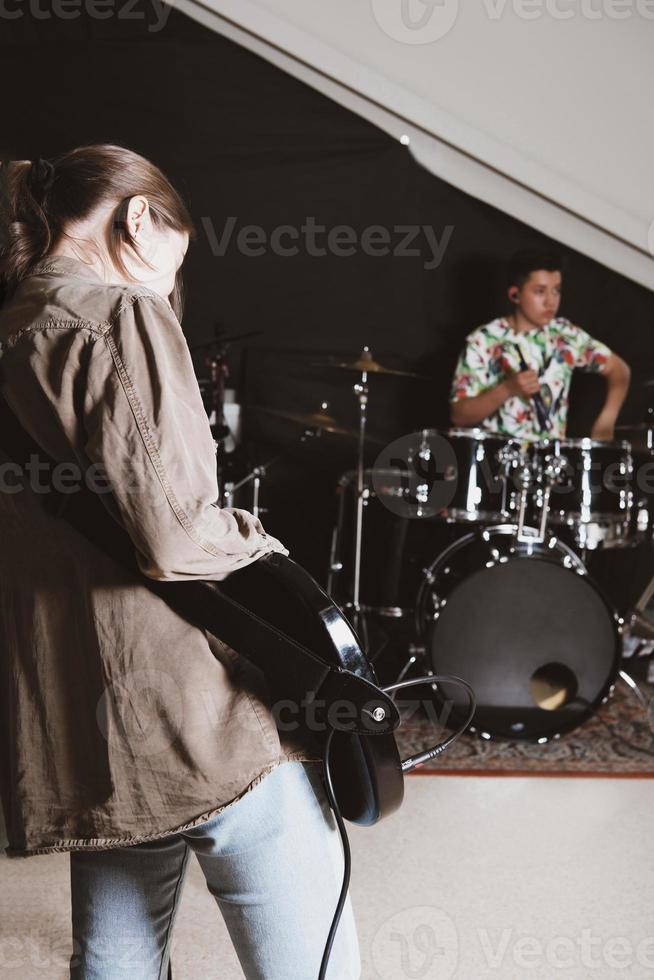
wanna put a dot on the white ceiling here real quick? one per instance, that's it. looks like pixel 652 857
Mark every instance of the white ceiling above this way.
pixel 540 107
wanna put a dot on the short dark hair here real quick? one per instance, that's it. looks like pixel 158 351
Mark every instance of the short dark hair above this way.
pixel 528 260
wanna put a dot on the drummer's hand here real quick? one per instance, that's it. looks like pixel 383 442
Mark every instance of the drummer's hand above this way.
pixel 604 427
pixel 523 385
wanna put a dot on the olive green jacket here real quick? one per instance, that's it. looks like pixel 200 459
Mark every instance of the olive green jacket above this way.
pixel 119 721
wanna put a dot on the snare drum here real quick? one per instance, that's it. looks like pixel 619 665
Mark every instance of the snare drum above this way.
pixel 594 493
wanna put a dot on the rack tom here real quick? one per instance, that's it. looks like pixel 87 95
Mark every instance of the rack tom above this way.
pixel 480 490
pixel 594 492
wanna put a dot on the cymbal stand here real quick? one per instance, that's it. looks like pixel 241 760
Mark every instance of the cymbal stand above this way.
pixel 254 477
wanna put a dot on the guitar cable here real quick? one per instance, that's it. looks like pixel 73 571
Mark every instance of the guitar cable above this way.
pixel 413 762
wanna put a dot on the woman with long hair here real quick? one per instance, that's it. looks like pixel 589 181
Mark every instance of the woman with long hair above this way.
pixel 128 736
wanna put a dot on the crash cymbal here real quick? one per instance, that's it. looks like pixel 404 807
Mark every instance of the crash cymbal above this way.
pixel 366 362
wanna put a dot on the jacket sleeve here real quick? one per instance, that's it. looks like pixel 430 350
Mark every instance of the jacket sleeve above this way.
pixel 147 431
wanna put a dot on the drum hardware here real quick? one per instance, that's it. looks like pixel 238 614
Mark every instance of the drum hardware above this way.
pixel 314 422
pixel 545 483
pixel 640 435
pixel 525 481
pixel 423 490
pixel 631 683
pixel 255 476
pixel 360 390
pixel 416 652
pixel 543 475
pixel 260 471
pixel 640 625
pixel 215 361
pixel 543 490
pixel 600 515
pixel 366 363
pixel 480 490
pixel 387 612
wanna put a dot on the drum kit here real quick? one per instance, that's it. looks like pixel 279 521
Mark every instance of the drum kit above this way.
pixel 509 604
pixel 478 544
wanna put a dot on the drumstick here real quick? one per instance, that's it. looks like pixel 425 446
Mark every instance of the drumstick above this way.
pixel 543 415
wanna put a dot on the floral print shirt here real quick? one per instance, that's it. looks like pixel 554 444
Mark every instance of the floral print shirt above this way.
pixel 553 351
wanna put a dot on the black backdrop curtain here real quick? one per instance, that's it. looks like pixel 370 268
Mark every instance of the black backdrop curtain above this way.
pixel 243 141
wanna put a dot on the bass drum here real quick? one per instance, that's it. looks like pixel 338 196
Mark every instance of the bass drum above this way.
pixel 526 627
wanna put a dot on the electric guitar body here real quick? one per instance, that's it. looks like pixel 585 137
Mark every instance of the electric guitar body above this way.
pixel 275 614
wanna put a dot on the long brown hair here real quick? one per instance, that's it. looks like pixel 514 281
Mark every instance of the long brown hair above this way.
pixel 39 202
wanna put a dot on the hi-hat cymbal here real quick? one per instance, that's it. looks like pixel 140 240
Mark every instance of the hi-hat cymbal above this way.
pixel 311 420
pixel 366 362
pixel 318 420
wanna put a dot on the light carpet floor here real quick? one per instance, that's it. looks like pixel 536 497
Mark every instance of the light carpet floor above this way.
pixel 474 879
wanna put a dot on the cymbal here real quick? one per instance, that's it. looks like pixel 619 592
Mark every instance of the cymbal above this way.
pixel 636 427
pixel 319 420
pixel 311 420
pixel 366 362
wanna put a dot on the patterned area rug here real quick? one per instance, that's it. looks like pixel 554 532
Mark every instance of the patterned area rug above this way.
pixel 617 740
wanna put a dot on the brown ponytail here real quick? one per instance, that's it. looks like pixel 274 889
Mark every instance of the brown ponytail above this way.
pixel 40 200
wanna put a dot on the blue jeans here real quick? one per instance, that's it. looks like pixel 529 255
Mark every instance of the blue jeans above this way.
pixel 274 864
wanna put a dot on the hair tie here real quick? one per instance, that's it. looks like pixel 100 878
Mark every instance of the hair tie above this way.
pixel 41 177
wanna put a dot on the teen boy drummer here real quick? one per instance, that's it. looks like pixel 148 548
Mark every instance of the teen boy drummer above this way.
pixel 491 387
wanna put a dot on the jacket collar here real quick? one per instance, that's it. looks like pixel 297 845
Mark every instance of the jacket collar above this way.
pixel 63 265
